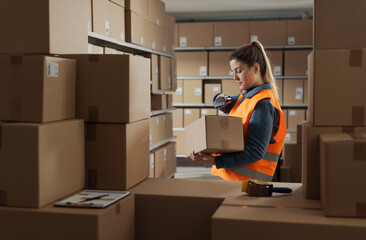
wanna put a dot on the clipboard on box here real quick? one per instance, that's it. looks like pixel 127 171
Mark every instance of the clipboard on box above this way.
pixel 92 199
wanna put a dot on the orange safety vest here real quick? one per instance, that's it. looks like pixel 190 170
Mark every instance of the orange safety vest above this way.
pixel 264 168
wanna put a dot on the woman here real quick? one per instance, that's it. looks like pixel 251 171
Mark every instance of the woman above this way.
pixel 263 121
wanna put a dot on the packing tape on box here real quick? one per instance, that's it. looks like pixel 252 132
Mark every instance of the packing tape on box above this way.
pixel 92 178
pixel 16 60
pixel 355 57
pixel 93 58
pixel 91 132
pixel 118 208
pixel 361 209
pixel 224 123
pixel 225 144
pixel 3 195
pixel 358 113
pixel 93 114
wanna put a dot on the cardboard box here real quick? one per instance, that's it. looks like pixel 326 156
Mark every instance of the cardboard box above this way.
pixel 295 116
pixel 230 222
pixel 152 165
pixel 36 88
pixel 190 115
pixel 157 163
pixel 192 91
pixel 311 155
pixel 276 58
pixel 117 18
pixel 296 63
pixel 293 91
pixel 291 137
pixel 169 34
pixel 180 141
pixel 279 83
pixel 46 27
pixel 90 18
pixel 178 95
pixel 156 12
pixel 150 35
pixel 114 222
pixel 231 34
pixel 154 73
pixel 300 32
pixel 285 113
pixel 306 91
pixel 292 155
pixel 94 49
pixel 176 34
pixel 117 155
pixel 230 87
pixel 173 72
pixel 157 129
pixel 40 163
pixel 137 6
pixel 169 100
pixel 165 74
pixel 208 111
pixel 269 33
pixel 285 174
pixel 340 30
pixel 219 64
pixel 101 17
pixel 197 34
pixel 159 102
pixel 171 159
pixel 191 63
pixel 135 28
pixel 119 2
pixel 331 67
pixel 215 134
pixel 112 51
pixel 168 118
pixel 299 132
pixel 178 118
pixel 343 154
pixel 163 205
pixel 163 162
pixel 112 88
pixel 211 89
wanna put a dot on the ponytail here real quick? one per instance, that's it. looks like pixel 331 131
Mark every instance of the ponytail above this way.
pixel 255 53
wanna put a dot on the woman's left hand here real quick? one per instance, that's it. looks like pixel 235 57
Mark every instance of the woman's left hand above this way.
pixel 202 157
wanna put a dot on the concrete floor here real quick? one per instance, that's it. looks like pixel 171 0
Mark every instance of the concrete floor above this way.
pixel 195 173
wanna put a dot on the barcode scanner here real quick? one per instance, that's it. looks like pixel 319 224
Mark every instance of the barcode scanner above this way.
pixel 220 102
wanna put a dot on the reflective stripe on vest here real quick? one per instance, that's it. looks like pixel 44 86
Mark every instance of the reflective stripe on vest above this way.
pixel 264 168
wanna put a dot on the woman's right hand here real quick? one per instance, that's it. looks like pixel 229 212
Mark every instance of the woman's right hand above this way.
pixel 227 99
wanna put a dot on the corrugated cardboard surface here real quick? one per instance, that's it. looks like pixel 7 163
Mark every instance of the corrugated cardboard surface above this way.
pixel 159 101
pixel 169 34
pixel 156 12
pixel 191 63
pixel 165 161
pixel 165 76
pixel 292 155
pixel 311 157
pixel 342 156
pixel 117 17
pixel 101 17
pixel 231 222
pixel 161 127
pixel 40 163
pixel 269 33
pixel 339 29
pixel 154 67
pixel 230 87
pixel 94 49
pixel 114 222
pixel 137 6
pixel 135 28
pixel 300 32
pixel 208 111
pixel 192 91
pixel 37 88
pixel 178 118
pixel 171 159
pixel 178 95
pixel 215 134
pixel 295 116
pixel 119 2
pixel 293 92
pixel 112 88
pixel 279 83
pixel 219 64
pixel 276 58
pixel 334 67
pixel 231 34
pixel 117 155
pixel 296 63
pixel 57 27
pixel 190 115
pixel 180 141
pixel 211 89
pixel 198 34
pixel 111 51
pixel 165 207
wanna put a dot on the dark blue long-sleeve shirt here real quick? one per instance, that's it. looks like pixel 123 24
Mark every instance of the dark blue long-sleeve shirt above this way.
pixel 263 126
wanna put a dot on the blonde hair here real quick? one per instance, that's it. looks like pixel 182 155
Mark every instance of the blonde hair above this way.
pixel 254 53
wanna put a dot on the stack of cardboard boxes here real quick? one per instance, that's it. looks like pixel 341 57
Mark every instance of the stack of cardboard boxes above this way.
pixel 333 169
pixel 42 146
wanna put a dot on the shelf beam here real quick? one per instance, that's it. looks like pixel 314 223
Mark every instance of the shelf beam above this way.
pixel 161 143
pixel 158 112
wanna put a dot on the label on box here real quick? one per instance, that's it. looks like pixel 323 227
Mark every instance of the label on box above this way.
pixel 231 73
pixel 187 111
pixel 218 41
pixel 204 111
pixel 107 29
pixel 170 82
pixel 157 72
pixel 89 49
pixel 157 120
pixel 153 44
pixel 198 91
pixel 277 70
pixel 291 40
pixel 216 89
pixel 179 91
pixel 152 161
pixel 306 72
pixel 292 113
pixel 164 48
pixel 183 41
pixel 101 51
pixel 89 26
pixel 288 137
pixel 122 36
pixel 158 21
pixel 52 69
pixel 253 37
pixel 203 70
pixel 299 93
pixel 165 154
pixel 142 40
pixel 164 118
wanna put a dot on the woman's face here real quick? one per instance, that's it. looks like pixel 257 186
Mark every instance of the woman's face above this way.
pixel 245 77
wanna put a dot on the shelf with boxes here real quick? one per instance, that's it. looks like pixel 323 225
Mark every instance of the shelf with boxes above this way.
pixel 267 48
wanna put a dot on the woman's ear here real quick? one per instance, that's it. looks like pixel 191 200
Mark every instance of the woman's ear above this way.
pixel 256 68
